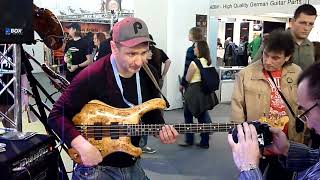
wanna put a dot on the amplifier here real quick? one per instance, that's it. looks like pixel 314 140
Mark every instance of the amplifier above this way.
pixel 16 22
pixel 34 158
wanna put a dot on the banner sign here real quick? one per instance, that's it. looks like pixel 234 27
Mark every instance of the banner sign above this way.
pixel 256 7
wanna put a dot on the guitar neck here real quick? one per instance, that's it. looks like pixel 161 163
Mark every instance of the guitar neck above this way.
pixel 116 130
pixel 153 129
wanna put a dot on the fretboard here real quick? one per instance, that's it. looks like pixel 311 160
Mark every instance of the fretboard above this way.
pixel 152 129
pixel 117 130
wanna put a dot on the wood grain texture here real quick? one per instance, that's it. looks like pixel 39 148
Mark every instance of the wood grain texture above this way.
pixel 98 112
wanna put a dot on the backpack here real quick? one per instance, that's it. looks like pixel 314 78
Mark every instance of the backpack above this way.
pixel 241 49
pixel 209 78
pixel 231 52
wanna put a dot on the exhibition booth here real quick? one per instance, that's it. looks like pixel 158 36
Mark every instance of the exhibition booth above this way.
pixel 236 19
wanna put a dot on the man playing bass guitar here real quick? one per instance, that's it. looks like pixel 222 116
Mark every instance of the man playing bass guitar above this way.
pixel 118 81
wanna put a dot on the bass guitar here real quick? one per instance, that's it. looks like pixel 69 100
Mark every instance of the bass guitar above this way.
pixel 109 129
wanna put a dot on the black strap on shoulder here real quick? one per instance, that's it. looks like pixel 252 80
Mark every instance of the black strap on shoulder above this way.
pixel 198 63
pixel 282 96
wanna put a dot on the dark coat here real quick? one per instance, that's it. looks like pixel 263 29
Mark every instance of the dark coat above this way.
pixel 197 101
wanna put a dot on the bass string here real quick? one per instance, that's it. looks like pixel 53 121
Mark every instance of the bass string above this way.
pixel 155 131
pixel 152 127
pixel 190 124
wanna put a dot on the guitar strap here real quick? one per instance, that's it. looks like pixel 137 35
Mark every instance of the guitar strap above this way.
pixel 153 79
pixel 282 96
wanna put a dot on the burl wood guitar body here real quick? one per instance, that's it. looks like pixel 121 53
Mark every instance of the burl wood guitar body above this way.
pixel 98 114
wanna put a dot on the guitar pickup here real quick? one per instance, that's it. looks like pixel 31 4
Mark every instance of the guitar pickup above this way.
pixel 97 130
pixel 114 130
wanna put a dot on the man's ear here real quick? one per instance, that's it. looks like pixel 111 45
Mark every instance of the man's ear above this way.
pixel 114 47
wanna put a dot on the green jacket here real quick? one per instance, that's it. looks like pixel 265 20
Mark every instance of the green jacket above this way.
pixel 254 45
pixel 304 54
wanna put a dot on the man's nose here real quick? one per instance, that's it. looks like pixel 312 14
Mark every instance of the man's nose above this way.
pixel 140 60
pixel 267 61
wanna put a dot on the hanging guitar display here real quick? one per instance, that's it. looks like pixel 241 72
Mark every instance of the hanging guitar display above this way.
pixel 109 129
pixel 49 28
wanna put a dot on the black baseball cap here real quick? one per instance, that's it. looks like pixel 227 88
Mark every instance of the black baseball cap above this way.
pixel 74 25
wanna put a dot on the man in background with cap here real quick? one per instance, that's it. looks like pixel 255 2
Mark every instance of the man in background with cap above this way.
pixel 77 52
pixel 117 80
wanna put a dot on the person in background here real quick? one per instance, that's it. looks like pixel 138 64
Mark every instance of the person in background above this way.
pixel 219 44
pixel 77 52
pixel 243 52
pixel 256 96
pixel 226 42
pixel 254 46
pixel 199 104
pixel 259 53
pixel 99 39
pixel 107 43
pixel 316 46
pixel 104 47
pixel 89 38
pixel 301 26
pixel 157 59
pixel 118 80
pixel 294 156
pixel 230 57
pixel 195 34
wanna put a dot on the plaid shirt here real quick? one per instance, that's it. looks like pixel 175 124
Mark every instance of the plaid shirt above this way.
pixel 300 158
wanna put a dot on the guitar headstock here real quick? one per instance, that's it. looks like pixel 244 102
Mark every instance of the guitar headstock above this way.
pixel 273 122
